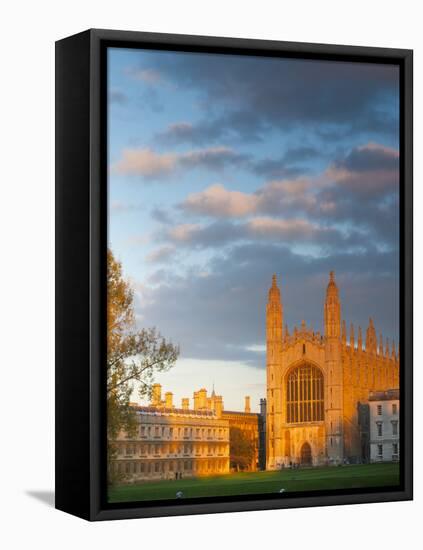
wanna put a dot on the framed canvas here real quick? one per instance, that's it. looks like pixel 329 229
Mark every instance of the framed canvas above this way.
pixel 234 274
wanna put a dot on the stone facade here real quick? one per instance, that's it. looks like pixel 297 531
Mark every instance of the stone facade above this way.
pixel 384 424
pixel 248 423
pixel 175 443
pixel 315 383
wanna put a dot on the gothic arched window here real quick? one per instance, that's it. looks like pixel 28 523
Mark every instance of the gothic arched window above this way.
pixel 305 395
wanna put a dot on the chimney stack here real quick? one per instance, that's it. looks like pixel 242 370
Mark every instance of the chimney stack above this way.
pixel 156 395
pixel 169 400
pixel 185 403
pixel 218 405
pixel 247 404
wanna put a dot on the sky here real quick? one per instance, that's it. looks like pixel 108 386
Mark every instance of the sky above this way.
pixel 225 169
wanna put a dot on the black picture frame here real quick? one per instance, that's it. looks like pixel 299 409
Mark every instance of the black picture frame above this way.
pixel 81 222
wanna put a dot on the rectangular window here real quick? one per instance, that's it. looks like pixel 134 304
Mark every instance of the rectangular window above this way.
pixel 395 428
pixel 394 448
pixel 394 408
pixel 379 429
pixel 379 410
pixel 380 451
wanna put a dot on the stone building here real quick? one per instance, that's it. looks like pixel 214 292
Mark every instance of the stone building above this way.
pixel 316 381
pixel 248 423
pixel 384 426
pixel 175 443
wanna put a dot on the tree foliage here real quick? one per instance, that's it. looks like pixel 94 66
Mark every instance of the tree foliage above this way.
pixel 241 449
pixel 133 356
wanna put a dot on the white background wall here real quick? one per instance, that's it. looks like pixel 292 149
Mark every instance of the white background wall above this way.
pixel 28 32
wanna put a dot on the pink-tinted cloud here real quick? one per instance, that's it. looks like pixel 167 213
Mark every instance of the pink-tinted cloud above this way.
pixel 161 254
pixel 144 162
pixel 220 202
pixel 183 232
pixel 370 170
pixel 150 76
pixel 275 197
pixel 282 228
pixel 147 163
pixel 256 229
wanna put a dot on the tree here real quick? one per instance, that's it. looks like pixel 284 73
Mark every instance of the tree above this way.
pixel 241 449
pixel 133 356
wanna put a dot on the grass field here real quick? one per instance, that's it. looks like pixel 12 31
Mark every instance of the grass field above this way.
pixel 345 477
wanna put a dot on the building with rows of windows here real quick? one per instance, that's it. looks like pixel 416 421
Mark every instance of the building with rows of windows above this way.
pixel 384 431
pixel 174 443
pixel 316 384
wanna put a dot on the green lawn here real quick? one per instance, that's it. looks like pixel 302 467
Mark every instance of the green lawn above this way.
pixel 342 477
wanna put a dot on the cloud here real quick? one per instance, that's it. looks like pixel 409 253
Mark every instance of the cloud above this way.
pixel 283 228
pixel 117 96
pixel 220 316
pixel 291 163
pixel 149 164
pixel 161 215
pixel 144 162
pixel 183 232
pixel 290 231
pixel 275 197
pixel 368 170
pixel 150 76
pixel 160 255
pixel 328 99
pixel 220 202
pixel 356 195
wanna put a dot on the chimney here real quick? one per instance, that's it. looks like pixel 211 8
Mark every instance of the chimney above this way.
pixel 185 403
pixel 169 400
pixel 218 405
pixel 156 395
pixel 202 399
pixel 247 404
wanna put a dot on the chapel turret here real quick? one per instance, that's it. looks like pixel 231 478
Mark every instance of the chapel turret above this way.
pixel 274 318
pixel 332 309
